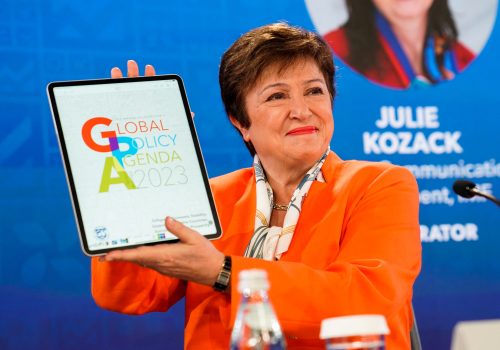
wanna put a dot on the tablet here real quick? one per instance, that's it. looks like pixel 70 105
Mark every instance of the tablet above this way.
pixel 131 157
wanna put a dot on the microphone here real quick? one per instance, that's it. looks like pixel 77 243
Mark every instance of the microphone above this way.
pixel 467 189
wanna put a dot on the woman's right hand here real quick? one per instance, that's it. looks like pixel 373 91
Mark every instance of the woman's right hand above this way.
pixel 132 70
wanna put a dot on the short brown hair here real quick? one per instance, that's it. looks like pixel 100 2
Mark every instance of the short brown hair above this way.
pixel 279 43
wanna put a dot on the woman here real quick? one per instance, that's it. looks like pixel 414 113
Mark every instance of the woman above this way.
pixel 400 43
pixel 336 237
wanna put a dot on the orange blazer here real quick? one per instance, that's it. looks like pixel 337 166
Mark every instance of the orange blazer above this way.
pixel 356 250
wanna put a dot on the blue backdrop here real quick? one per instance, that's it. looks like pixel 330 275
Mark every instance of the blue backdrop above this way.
pixel 45 301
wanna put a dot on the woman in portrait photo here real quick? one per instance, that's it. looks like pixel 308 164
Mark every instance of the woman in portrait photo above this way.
pixel 401 43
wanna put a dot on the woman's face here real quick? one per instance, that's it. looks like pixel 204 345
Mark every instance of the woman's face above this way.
pixel 395 10
pixel 290 114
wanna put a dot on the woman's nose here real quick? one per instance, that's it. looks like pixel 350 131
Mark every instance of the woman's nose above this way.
pixel 299 108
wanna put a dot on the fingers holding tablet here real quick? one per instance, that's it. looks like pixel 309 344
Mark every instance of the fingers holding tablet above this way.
pixel 116 73
pixel 149 70
pixel 184 233
pixel 194 258
pixel 132 70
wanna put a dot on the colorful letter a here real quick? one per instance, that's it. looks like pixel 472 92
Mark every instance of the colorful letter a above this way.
pixel 122 178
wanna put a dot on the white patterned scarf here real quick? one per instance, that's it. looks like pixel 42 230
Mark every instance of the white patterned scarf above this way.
pixel 269 243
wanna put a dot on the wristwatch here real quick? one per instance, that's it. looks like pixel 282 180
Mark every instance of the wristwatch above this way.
pixel 222 281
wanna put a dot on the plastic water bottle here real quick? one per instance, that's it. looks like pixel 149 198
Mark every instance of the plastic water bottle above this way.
pixel 256 326
pixel 359 332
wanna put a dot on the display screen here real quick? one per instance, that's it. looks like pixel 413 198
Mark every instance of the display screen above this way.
pixel 132 158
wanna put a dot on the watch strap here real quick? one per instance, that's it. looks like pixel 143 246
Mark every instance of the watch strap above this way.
pixel 224 276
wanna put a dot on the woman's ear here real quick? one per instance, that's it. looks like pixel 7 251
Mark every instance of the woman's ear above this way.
pixel 243 131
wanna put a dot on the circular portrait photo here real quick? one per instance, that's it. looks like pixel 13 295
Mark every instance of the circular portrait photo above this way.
pixel 403 44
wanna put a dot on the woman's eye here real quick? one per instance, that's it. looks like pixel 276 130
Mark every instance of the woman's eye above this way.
pixel 276 96
pixel 315 91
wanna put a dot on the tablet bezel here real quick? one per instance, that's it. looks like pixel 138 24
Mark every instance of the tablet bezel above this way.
pixel 69 173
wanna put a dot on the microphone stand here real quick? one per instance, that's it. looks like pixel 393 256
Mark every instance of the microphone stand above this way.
pixel 484 195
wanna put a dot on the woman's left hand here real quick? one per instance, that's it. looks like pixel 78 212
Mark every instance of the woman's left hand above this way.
pixel 194 258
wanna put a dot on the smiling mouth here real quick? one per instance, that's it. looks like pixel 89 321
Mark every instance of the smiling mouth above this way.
pixel 302 130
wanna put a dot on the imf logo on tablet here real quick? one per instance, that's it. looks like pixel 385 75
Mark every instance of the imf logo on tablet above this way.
pixel 101 232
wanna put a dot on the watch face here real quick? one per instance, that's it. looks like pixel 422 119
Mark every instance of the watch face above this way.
pixel 224 276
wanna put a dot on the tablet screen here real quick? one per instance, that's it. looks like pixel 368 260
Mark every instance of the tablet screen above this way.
pixel 132 158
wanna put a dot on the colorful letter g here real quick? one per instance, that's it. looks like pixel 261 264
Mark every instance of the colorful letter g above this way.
pixel 87 134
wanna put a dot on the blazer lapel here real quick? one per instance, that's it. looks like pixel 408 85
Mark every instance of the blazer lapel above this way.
pixel 319 201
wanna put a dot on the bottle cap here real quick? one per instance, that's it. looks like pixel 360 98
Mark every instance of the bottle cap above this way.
pixel 253 279
pixel 348 326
